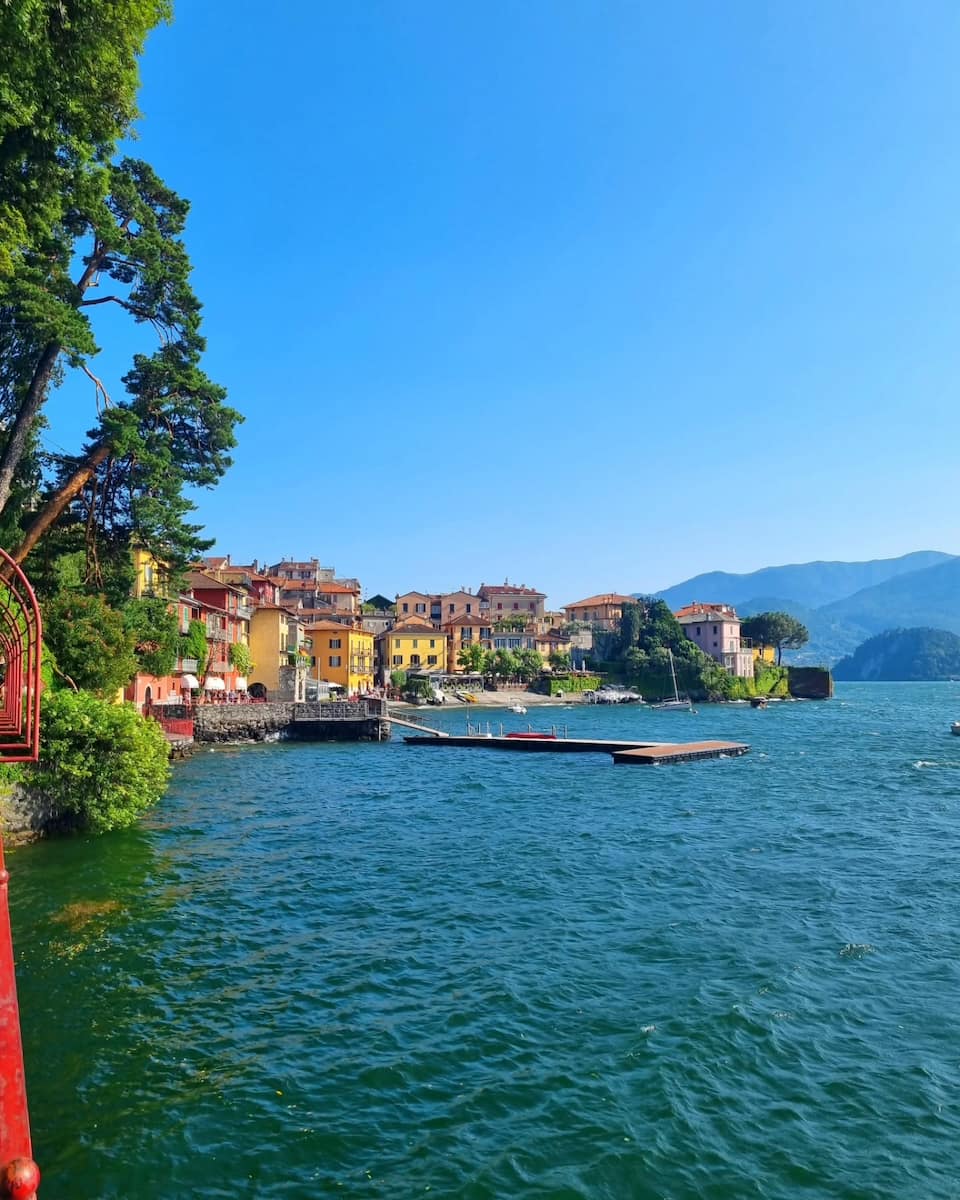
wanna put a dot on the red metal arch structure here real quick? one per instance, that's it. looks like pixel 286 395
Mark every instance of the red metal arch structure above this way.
pixel 21 647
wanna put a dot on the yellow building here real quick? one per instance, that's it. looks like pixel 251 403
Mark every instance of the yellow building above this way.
pixel 413 646
pixel 277 649
pixel 150 576
pixel 342 654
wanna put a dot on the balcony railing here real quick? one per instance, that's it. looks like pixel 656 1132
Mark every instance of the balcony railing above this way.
pixel 216 635
pixel 188 666
pixel 244 611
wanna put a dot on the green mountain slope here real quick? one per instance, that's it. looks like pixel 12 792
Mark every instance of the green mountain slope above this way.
pixel 929 598
pixel 909 654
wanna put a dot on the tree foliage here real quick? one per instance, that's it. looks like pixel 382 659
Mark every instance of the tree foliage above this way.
pixel 194 644
pixel 155 634
pixel 91 643
pixel 101 765
pixel 471 658
pixel 903 654
pixel 68 83
pixel 240 658
pixel 777 629
pixel 94 233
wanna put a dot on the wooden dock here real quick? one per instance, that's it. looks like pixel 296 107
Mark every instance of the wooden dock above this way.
pixel 679 752
pixel 633 751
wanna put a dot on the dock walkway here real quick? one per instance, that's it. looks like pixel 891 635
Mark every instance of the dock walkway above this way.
pixel 623 752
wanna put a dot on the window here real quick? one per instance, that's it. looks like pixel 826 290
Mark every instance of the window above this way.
pixel 421 608
pixel 396 643
pixel 450 608
pixel 469 608
pixel 714 630
pixel 406 607
pixel 414 660
pixel 714 645
pixel 499 605
pixel 313 660
pixel 698 631
pixel 416 643
pixel 433 643
pixel 398 660
pixel 531 606
pixel 334 643
pixel 431 660
pixel 515 604
pixel 334 660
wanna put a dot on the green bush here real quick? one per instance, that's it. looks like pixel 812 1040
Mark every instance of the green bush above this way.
pixel 101 764
pixel 240 658
pixel 91 646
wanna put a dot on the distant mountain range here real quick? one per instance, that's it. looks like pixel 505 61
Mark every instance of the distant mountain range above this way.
pixel 842 604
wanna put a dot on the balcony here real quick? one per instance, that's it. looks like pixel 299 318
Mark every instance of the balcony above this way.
pixel 244 611
pixel 188 665
pixel 216 635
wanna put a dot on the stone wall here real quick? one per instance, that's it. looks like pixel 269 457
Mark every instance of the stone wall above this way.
pixel 23 814
pixel 336 721
pixel 810 683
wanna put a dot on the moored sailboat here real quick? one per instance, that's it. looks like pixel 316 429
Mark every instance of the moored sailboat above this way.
pixel 676 702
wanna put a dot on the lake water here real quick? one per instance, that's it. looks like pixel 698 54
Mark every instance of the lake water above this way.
pixel 384 971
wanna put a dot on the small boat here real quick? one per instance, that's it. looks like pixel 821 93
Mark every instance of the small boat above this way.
pixel 758 702
pixel 541 737
pixel 466 697
pixel 955 728
pixel 676 702
pixel 518 708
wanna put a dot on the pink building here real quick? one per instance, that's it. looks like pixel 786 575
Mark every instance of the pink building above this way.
pixel 716 630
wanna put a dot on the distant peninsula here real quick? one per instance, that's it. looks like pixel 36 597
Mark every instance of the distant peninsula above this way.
pixel 903 654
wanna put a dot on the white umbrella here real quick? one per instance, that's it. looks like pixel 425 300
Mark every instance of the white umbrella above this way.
pixel 241 684
pixel 213 684
pixel 189 681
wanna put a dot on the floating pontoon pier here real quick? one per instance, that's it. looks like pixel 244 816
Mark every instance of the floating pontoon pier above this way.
pixel 624 752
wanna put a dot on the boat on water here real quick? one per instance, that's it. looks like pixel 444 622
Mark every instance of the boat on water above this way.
pixel 613 693
pixel 541 737
pixel 676 702
pixel 518 708
pixel 955 728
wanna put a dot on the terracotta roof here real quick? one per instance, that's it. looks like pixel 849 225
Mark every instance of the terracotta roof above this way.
pixel 336 627
pixel 465 619
pixel 508 588
pixel 691 614
pixel 412 628
pixel 605 598
pixel 334 588
pixel 200 579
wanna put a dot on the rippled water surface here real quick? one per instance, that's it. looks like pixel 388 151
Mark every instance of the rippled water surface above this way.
pixel 384 971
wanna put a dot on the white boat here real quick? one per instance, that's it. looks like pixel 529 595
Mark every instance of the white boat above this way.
pixel 676 702
pixel 518 708
pixel 955 728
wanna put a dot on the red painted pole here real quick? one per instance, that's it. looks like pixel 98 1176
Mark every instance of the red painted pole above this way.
pixel 19 1174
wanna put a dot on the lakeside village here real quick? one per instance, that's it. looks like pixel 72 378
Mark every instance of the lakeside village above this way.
pixel 293 632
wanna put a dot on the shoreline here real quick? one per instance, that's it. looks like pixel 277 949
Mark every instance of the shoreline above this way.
pixel 499 699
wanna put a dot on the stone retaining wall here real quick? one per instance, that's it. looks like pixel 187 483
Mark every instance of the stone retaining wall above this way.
pixel 337 721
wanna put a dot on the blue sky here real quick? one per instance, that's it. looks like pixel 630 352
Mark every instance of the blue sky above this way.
pixel 590 296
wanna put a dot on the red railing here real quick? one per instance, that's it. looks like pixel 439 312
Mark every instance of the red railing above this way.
pixel 20 651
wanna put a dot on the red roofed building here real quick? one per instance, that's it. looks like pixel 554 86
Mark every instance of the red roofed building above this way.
pixel 602 612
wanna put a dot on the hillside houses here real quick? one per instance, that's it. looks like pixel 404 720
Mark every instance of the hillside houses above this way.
pixel 271 629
